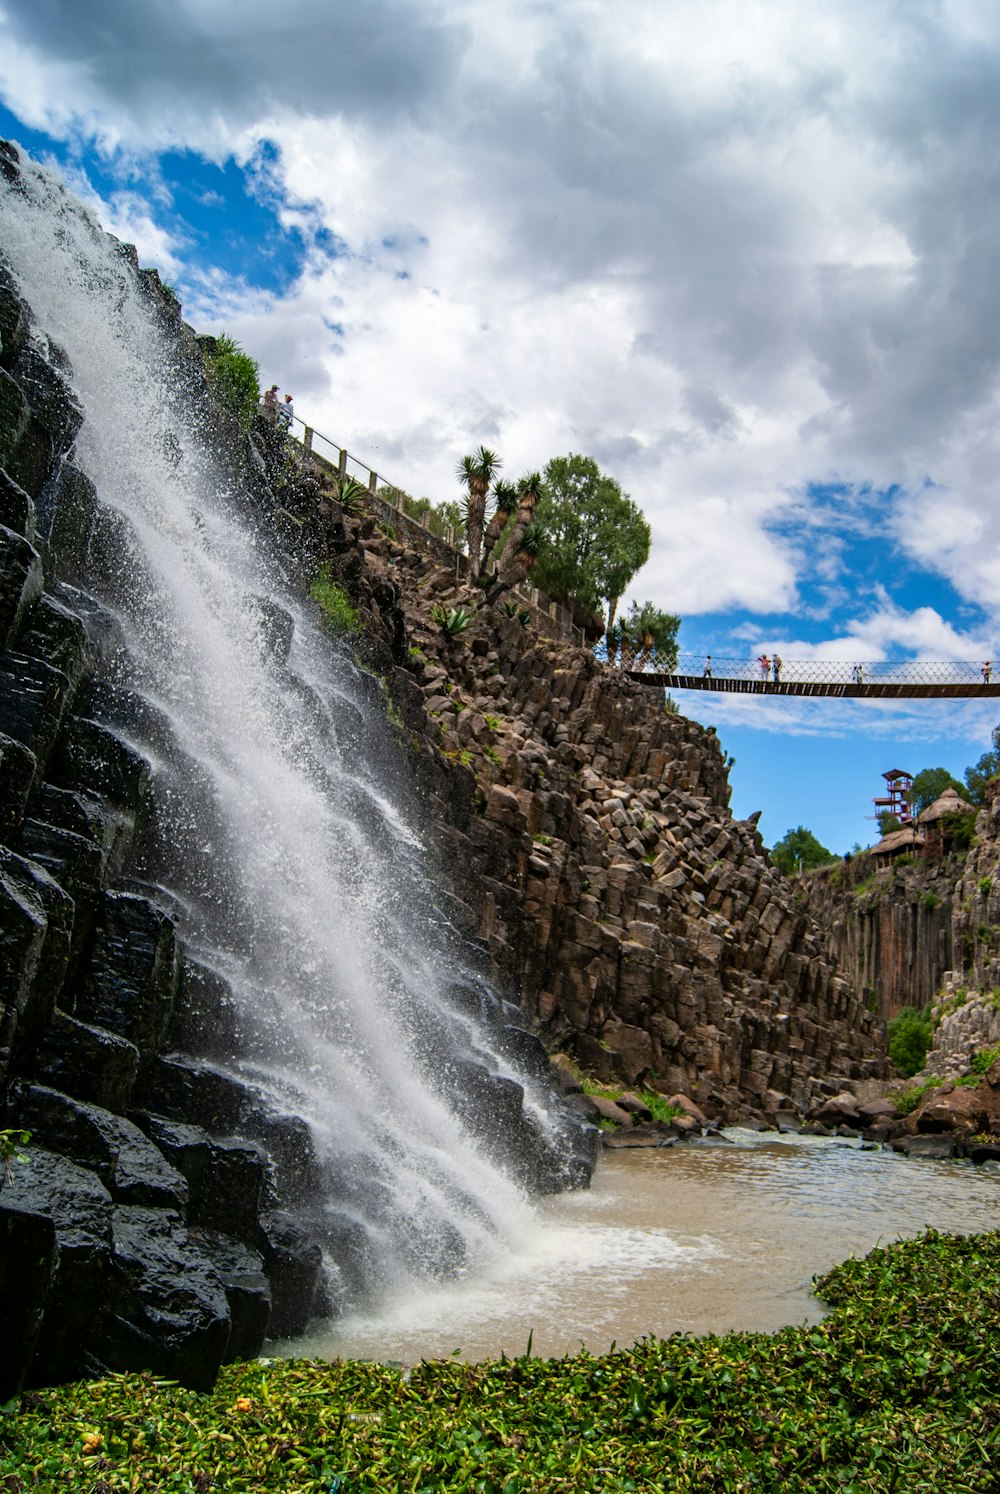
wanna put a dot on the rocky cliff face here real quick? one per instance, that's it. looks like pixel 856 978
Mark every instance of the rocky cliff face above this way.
pixel 644 928
pixel 902 931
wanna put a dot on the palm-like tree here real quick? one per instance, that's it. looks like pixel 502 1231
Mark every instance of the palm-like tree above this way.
pixel 529 490
pixel 505 498
pixel 477 472
pixel 531 546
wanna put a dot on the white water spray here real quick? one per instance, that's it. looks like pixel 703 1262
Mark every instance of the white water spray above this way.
pixel 300 880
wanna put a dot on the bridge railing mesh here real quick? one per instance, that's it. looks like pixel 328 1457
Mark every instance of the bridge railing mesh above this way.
pixel 811 671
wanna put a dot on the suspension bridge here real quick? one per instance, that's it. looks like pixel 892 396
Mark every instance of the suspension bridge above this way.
pixel 899 679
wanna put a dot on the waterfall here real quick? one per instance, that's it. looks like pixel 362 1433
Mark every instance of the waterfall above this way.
pixel 297 879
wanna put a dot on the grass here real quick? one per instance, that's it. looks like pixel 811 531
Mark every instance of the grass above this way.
pixel 334 603
pixel 909 1099
pixel 894 1390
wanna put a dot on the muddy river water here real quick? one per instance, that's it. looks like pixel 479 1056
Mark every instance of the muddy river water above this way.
pixel 700 1238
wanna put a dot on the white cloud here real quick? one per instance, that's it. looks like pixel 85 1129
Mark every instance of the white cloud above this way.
pixel 728 247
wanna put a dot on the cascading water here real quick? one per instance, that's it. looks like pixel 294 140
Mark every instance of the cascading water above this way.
pixel 295 876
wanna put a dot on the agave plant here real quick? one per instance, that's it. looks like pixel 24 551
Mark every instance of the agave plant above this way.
pixel 349 493
pixel 477 472
pixel 451 620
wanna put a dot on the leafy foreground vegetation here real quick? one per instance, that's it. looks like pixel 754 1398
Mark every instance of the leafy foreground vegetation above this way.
pixel 896 1389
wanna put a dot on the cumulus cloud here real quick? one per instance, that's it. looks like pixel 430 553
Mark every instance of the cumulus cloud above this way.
pixel 733 250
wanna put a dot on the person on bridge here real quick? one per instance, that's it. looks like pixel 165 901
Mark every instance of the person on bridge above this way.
pixel 707 672
pixel 987 671
pixel 776 668
pixel 765 666
pixel 859 674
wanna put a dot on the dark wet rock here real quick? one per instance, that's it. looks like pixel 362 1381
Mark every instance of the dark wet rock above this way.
pixel 985 1151
pixel 56 635
pixel 132 980
pixel 21 582
pixel 294 1265
pixel 129 1165
pixel 54 406
pixel 17 774
pixel 248 1292
pixel 225 1179
pixel 23 927
pixel 168 1310
pixel 65 514
pixel 525 1051
pixel 936 1147
pixel 15 417
pixel 650 1134
pixel 77 865
pixel 17 512
pixel 94 760
pixel 28 1259
pixel 15 317
pixel 94 820
pixel 87 1062
pixel 58 910
pixel 33 701
pixel 206 1017
pixel 80 1208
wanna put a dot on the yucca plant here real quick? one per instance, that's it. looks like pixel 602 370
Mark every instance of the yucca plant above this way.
pixel 451 620
pixel 505 498
pixel 477 472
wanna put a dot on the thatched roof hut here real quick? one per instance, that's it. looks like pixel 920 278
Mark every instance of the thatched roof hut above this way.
pixel 950 802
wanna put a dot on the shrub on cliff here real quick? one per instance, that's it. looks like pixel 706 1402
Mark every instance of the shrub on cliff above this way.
pixel 910 1035
pixel 233 376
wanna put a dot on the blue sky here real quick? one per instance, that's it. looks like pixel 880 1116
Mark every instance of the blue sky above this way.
pixel 743 252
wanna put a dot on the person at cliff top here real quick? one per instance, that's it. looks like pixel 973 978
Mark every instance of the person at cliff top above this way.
pixel 271 403
pixel 285 413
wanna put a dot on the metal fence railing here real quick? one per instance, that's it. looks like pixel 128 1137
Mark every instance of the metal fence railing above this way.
pixel 337 461
pixel 809 671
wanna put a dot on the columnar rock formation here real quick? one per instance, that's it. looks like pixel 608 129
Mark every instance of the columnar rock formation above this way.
pixel 644 927
pixel 899 929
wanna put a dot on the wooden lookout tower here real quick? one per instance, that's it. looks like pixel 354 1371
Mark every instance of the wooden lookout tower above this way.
pixel 896 799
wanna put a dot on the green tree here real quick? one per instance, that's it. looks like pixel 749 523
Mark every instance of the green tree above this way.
pixel 529 491
pixel 929 785
pixel 597 538
pixel 910 1034
pixel 888 822
pixel 799 850
pixel 646 630
pixel 505 498
pixel 979 775
pixel 232 376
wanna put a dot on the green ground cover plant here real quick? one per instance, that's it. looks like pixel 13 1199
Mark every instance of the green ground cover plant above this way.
pixel 334 602
pixel 894 1390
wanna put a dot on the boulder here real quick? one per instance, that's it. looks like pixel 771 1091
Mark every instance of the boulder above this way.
pixel 29 1256
pixel 80 1210
pixel 248 1293
pixel 167 1309
pixel 225 1178
pixel 294 1265
pixel 128 1164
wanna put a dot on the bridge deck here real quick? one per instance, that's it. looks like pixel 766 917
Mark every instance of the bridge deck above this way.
pixel 875 690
